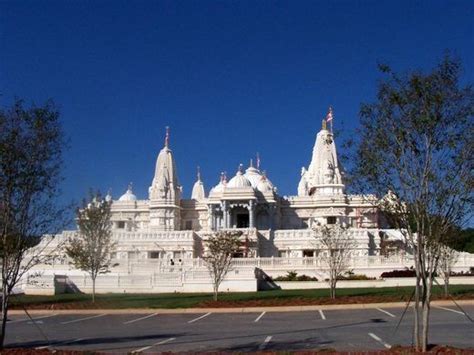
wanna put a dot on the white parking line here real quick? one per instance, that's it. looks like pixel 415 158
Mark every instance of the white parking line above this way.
pixel 259 317
pixel 60 343
pixel 201 317
pixel 388 346
pixel 265 342
pixel 81 319
pixel 386 312
pixel 449 309
pixel 28 319
pixel 322 314
pixel 148 347
pixel 139 319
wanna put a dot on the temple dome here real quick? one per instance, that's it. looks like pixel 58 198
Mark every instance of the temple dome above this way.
pixel 128 195
pixel 239 181
pixel 253 175
pixel 264 185
pixel 221 185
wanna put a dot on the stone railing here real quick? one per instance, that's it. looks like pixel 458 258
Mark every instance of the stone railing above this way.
pixel 153 236
pixel 294 234
pixel 308 234
pixel 148 266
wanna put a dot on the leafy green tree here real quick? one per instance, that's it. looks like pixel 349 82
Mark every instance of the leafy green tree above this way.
pixel 31 147
pixel 90 250
pixel 415 147
pixel 221 248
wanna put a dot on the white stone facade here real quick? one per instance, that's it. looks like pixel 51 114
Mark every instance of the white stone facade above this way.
pixel 167 226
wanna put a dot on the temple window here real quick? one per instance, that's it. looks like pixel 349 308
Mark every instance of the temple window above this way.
pixel 308 253
pixel 332 220
pixel 121 224
pixel 154 254
pixel 242 220
pixel 189 225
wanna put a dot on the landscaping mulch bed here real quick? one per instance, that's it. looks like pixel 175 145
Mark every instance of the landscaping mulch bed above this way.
pixel 23 351
pixel 432 349
pixel 270 302
pixel 396 350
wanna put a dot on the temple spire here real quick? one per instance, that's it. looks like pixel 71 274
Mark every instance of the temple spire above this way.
pixel 323 176
pixel 198 192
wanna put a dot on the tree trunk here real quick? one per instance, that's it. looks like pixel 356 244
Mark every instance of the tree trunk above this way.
pixel 216 291
pixel 446 286
pixel 426 318
pixel 93 289
pixel 333 289
pixel 416 325
pixel 4 314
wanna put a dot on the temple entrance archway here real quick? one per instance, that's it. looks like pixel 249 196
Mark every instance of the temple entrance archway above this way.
pixel 240 217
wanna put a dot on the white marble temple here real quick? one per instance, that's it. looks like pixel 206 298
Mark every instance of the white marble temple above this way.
pixel 167 226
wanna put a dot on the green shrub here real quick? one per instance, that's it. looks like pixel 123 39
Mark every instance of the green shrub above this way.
pixel 349 275
pixel 306 278
pixel 293 276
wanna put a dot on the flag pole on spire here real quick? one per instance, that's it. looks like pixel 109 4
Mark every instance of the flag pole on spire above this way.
pixel 198 173
pixel 167 137
pixel 330 117
pixel 258 161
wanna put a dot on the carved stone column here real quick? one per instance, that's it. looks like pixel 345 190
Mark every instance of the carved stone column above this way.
pixel 226 214
pixel 251 213
pixel 211 221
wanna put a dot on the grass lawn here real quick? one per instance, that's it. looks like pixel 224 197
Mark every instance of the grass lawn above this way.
pixel 234 299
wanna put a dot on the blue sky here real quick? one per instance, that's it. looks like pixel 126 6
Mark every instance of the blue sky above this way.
pixel 231 78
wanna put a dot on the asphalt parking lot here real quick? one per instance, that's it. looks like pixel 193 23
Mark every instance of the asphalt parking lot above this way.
pixel 351 329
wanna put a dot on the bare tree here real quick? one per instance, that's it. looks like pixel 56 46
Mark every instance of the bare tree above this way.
pixel 220 249
pixel 90 250
pixel 447 259
pixel 417 141
pixel 335 245
pixel 31 147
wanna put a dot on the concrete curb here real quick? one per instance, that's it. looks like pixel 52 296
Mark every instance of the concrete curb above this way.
pixel 236 310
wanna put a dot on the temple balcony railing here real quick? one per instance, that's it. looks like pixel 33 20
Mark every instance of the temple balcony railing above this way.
pixel 250 233
pixel 154 235
pixel 309 234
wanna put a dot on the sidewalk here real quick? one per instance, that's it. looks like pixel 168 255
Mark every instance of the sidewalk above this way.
pixel 236 309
